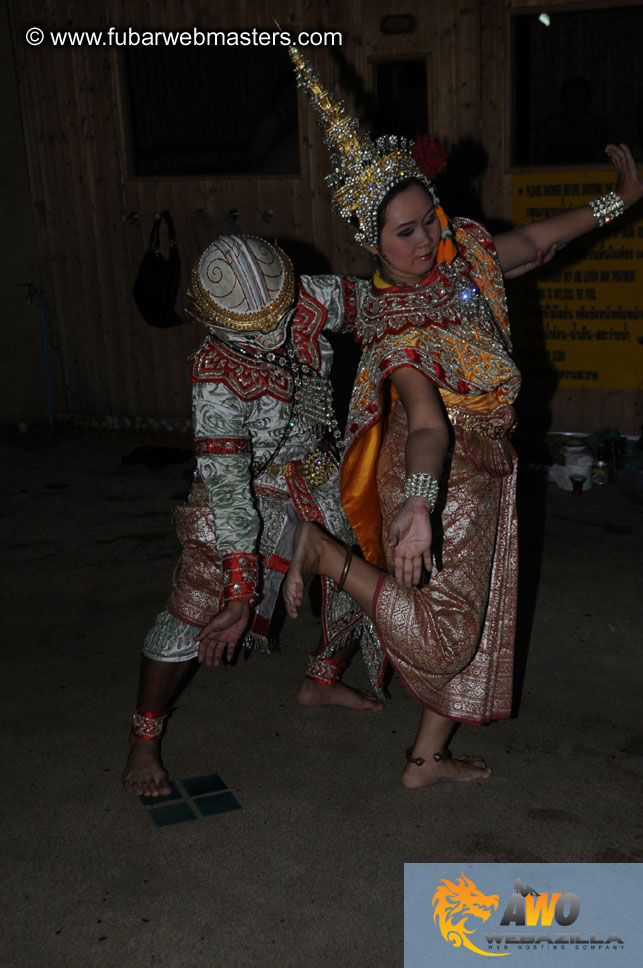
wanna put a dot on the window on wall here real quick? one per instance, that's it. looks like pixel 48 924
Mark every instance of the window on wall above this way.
pixel 577 84
pixel 205 111
pixel 401 101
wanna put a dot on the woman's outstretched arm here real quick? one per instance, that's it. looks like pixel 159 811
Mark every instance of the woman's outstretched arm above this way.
pixel 530 245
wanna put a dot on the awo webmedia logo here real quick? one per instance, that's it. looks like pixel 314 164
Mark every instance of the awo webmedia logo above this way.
pixel 530 919
pixel 539 914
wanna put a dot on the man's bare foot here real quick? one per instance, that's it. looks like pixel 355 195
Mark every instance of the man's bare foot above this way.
pixel 144 773
pixel 338 694
pixel 303 565
pixel 464 770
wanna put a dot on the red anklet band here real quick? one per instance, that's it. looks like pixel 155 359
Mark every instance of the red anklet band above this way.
pixel 325 671
pixel 148 725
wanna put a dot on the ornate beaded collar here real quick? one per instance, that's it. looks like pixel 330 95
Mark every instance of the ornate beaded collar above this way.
pixel 447 297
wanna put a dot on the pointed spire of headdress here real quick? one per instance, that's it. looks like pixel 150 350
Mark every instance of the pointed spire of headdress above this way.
pixel 363 170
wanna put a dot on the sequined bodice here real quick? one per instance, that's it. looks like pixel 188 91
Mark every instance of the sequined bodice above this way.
pixel 449 297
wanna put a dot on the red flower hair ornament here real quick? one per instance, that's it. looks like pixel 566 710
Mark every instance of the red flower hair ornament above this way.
pixel 429 155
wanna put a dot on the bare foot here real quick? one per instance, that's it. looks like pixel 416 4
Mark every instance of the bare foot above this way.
pixel 315 694
pixel 303 565
pixel 144 773
pixel 464 770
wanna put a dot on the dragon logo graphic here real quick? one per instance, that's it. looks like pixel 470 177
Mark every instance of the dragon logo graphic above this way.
pixel 454 903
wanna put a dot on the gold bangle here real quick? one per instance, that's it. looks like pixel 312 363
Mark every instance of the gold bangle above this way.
pixel 347 564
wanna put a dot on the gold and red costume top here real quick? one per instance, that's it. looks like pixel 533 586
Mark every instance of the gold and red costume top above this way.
pixel 452 327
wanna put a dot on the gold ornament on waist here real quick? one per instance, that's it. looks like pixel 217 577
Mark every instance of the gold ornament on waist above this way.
pixel 316 468
pixel 478 424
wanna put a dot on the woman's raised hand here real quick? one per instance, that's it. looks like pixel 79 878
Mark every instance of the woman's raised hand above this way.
pixel 630 185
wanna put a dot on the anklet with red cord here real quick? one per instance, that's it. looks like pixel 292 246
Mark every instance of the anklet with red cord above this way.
pixel 148 725
pixel 324 671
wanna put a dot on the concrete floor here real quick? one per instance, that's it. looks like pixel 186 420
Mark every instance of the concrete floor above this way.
pixel 309 871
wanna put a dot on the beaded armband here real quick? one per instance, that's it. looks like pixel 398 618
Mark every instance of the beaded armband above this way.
pixel 240 578
pixel 422 485
pixel 607 207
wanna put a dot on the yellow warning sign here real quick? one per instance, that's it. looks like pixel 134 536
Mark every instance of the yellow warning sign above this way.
pixel 581 316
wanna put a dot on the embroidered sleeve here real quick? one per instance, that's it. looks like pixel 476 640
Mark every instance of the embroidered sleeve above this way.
pixel 479 233
pixel 339 295
pixel 480 250
pixel 224 453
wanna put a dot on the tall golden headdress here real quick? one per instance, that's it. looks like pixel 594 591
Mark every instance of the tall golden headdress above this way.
pixel 363 170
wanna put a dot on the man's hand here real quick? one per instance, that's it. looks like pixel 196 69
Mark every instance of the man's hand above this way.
pixel 540 260
pixel 220 636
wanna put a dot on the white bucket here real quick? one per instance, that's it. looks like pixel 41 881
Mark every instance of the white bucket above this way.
pixel 576 465
pixel 572 451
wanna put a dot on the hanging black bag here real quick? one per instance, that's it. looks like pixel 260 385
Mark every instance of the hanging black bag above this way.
pixel 157 283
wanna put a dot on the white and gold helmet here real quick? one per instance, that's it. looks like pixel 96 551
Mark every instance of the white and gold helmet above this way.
pixel 241 284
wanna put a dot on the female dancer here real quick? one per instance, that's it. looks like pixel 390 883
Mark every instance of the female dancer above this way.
pixel 428 474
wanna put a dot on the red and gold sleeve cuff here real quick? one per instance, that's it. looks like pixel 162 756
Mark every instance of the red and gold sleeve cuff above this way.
pixel 222 445
pixel 240 578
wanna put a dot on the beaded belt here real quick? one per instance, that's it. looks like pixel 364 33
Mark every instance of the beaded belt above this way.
pixel 478 425
pixel 316 468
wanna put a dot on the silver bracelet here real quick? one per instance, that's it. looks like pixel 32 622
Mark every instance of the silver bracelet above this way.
pixel 422 485
pixel 607 207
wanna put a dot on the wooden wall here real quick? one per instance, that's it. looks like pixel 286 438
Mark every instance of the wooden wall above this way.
pixel 23 395
pixel 106 360
pixel 582 410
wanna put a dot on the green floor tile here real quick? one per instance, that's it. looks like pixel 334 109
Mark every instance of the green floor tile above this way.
pixel 198 785
pixel 173 813
pixel 219 803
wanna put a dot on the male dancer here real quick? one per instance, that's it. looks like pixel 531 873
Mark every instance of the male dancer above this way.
pixel 266 440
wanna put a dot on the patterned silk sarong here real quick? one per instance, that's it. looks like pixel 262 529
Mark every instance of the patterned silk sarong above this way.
pixel 452 641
